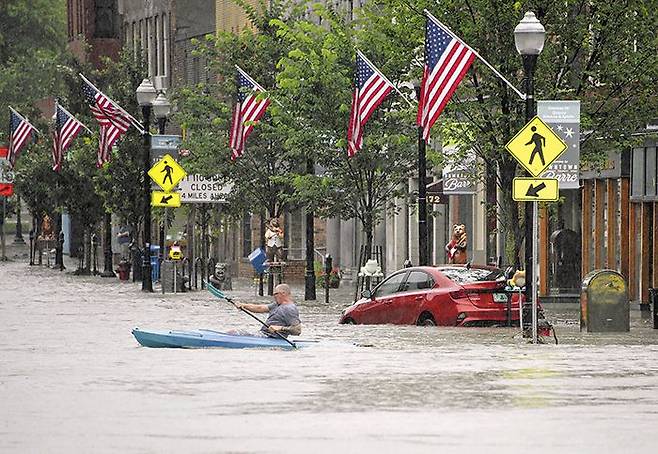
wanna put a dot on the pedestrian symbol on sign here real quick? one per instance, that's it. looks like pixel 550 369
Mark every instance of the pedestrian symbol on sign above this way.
pixel 167 169
pixel 172 171
pixel 536 146
pixel 539 141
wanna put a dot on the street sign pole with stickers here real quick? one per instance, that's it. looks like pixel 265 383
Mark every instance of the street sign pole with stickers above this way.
pixel 535 147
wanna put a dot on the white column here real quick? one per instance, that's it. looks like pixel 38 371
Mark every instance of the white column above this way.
pixel 439 234
pixel 412 218
pixel 158 45
pixel 479 236
pixel 347 244
pixel 333 240
pixel 379 239
pixel 149 43
pixel 166 26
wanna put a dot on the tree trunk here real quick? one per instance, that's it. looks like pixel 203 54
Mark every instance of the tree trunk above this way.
pixel 86 264
pixel 509 211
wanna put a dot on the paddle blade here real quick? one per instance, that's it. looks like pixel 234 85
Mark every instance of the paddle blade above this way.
pixel 215 291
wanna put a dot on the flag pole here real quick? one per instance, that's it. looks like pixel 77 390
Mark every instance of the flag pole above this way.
pixel 69 113
pixel 259 87
pixel 132 119
pixel 374 68
pixel 25 120
pixel 521 95
pixel 249 78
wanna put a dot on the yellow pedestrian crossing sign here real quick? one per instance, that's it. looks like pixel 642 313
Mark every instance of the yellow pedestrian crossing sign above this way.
pixel 536 146
pixel 167 173
pixel 535 189
pixel 165 199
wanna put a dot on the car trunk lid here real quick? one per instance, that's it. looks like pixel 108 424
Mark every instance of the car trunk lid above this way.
pixel 488 294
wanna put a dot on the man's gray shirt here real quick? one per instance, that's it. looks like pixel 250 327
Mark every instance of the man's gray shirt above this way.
pixel 281 315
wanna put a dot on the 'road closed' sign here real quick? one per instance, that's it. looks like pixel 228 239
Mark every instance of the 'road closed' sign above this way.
pixel 200 189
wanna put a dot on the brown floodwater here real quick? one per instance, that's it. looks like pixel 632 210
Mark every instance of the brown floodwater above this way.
pixel 73 379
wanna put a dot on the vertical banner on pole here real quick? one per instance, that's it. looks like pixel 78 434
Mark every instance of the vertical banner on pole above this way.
pixel 564 118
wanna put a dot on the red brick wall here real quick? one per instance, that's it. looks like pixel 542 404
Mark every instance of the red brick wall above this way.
pixel 293 272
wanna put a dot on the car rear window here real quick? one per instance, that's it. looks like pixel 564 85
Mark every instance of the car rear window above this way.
pixel 466 275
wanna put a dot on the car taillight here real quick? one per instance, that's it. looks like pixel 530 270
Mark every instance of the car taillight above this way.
pixel 463 294
pixel 459 294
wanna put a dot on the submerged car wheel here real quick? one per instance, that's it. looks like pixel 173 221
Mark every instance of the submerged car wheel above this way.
pixel 349 321
pixel 426 319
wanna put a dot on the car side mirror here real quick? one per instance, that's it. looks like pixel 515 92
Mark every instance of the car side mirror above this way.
pixel 367 294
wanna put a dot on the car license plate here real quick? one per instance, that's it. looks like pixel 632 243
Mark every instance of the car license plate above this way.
pixel 500 297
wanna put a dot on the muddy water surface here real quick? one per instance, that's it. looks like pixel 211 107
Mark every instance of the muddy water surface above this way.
pixel 73 379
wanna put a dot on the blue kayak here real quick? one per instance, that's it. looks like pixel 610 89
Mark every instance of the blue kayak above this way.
pixel 204 338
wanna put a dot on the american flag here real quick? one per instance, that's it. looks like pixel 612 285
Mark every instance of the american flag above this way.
pixel 246 109
pixel 113 121
pixel 371 88
pixel 447 60
pixel 66 128
pixel 20 131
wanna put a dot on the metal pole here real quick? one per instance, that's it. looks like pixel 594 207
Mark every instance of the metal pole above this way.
pixel 162 122
pixel 422 196
pixel 19 225
pixel 147 284
pixel 528 69
pixel 534 269
pixel 107 248
pixel 3 257
pixel 328 266
pixel 309 278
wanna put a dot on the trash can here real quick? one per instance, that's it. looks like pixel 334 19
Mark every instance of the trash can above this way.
pixel 604 305
pixel 167 280
pixel 155 262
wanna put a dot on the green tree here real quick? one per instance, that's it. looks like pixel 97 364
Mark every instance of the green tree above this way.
pixel 32 37
pixel 315 83
pixel 596 52
pixel 261 175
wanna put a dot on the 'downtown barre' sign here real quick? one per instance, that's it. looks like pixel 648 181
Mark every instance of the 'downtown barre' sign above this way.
pixel 200 189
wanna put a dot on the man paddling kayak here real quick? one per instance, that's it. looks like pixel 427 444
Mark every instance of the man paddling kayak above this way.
pixel 284 315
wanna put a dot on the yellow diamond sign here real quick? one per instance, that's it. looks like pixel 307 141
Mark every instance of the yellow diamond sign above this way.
pixel 167 173
pixel 536 146
pixel 535 189
pixel 165 199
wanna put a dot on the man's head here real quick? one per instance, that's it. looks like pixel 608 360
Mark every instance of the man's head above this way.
pixel 282 294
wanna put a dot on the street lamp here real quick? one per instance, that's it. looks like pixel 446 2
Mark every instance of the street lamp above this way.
pixel 529 38
pixel 423 258
pixel 146 94
pixel 161 109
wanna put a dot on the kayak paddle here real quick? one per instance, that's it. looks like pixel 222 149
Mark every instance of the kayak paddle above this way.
pixel 219 294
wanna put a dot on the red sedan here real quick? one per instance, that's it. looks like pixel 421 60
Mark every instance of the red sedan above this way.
pixel 449 295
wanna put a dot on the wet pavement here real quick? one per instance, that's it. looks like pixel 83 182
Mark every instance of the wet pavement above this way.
pixel 73 379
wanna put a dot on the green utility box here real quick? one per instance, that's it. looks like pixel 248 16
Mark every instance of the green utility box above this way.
pixel 604 305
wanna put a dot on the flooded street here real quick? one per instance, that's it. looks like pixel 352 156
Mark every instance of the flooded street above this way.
pixel 73 379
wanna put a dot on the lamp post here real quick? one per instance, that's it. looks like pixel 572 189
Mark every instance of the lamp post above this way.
pixel 161 109
pixel 529 36
pixel 19 225
pixel 422 193
pixel 146 94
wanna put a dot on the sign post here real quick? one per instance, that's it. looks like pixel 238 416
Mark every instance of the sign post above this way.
pixel 535 147
pixel 166 173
